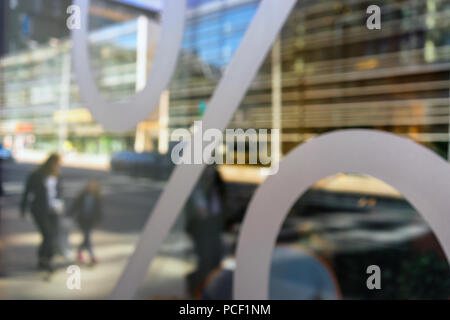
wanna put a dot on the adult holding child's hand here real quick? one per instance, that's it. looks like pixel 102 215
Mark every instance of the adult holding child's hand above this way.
pixel 44 187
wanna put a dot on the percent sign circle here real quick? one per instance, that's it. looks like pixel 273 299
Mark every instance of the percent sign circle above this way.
pixel 119 117
pixel 418 173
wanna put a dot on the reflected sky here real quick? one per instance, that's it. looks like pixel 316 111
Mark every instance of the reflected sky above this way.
pixel 214 41
pixel 155 5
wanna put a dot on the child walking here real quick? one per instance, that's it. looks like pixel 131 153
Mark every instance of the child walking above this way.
pixel 86 210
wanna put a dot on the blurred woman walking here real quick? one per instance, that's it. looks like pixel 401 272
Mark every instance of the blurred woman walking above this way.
pixel 44 186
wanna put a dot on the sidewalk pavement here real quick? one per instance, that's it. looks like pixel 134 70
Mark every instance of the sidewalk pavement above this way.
pixel 21 280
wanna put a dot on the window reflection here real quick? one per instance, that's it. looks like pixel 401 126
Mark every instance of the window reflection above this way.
pixel 326 72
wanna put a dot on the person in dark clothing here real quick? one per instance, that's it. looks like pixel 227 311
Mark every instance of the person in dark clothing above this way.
pixel 1 204
pixel 1 177
pixel 45 186
pixel 1 188
pixel 87 211
pixel 204 224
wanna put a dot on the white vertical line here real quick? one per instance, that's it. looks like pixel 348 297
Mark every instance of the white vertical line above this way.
pixel 141 52
pixel 64 99
pixel 276 95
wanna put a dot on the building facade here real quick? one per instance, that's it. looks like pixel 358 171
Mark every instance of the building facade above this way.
pixel 326 71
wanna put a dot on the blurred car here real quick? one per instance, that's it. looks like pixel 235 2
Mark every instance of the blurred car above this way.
pixel 146 164
pixel 353 221
pixel 5 154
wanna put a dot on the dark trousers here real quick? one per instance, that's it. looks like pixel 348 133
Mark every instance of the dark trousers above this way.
pixel 206 238
pixel 86 244
pixel 46 224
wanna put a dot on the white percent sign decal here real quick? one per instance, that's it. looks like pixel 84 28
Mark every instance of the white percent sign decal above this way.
pixel 420 175
pixel 119 117
pixel 388 163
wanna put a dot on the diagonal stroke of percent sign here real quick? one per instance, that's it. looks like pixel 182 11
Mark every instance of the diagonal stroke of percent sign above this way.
pixel 255 45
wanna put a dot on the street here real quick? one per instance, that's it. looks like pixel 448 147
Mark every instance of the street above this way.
pixel 127 202
pixel 347 237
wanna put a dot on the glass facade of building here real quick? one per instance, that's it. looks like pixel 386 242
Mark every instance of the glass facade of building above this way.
pixel 333 72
